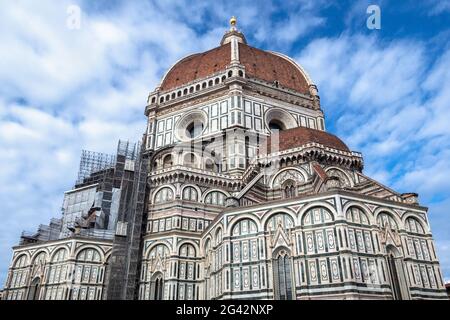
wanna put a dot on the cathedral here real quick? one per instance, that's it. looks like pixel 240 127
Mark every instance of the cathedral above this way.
pixel 236 191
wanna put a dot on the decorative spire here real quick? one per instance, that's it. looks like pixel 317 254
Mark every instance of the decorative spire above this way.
pixel 233 32
pixel 233 22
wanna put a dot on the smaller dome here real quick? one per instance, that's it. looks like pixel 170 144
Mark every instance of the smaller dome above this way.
pixel 297 137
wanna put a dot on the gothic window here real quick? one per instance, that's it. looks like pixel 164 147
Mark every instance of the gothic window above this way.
pixel 19 273
pixel 396 278
pixel 39 259
pixel 215 198
pixel 280 218
pixel 385 219
pixel 190 194
pixel 87 277
pixel 289 189
pixel 187 267
pixel 360 237
pixel 244 227
pixel 57 275
pixel 157 287
pixel 160 250
pixel 318 215
pixel 35 289
pixel 282 275
pixel 414 226
pixel 163 195
pixel 416 244
pixel 21 262
pixel 356 215
pixel 187 250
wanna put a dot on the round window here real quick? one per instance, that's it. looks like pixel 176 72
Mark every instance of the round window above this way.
pixel 278 119
pixel 194 129
pixel 191 126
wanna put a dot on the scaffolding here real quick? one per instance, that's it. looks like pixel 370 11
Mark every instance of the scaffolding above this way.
pixel 92 162
pixel 44 233
pixel 129 150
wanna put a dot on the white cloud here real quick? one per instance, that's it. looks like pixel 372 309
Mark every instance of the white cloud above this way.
pixel 392 101
pixel 66 90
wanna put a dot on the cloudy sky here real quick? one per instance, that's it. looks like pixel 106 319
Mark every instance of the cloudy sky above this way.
pixel 385 92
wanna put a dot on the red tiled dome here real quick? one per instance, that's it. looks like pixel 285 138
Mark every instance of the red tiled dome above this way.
pixel 297 137
pixel 258 64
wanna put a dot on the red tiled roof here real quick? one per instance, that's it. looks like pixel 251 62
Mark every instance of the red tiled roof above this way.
pixel 296 137
pixel 258 64
pixel 197 66
pixel 270 67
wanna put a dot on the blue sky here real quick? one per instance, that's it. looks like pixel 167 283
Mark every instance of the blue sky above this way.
pixel 385 92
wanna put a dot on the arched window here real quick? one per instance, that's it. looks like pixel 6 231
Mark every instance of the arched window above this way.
pixel 215 198
pixel 190 160
pixel 282 219
pixel 190 194
pixel 187 250
pixel 60 255
pixel 318 215
pixel 57 275
pixel 356 215
pixel 40 259
pixel 21 262
pixel 289 189
pixel 187 270
pixel 163 195
pixel 244 227
pixel 157 286
pixel 35 289
pixel 385 219
pixel 412 225
pixel 88 275
pixel 275 125
pixel 159 250
pixel 19 274
pixel 218 237
pixel 282 275
pixel 88 255
pixel 167 162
